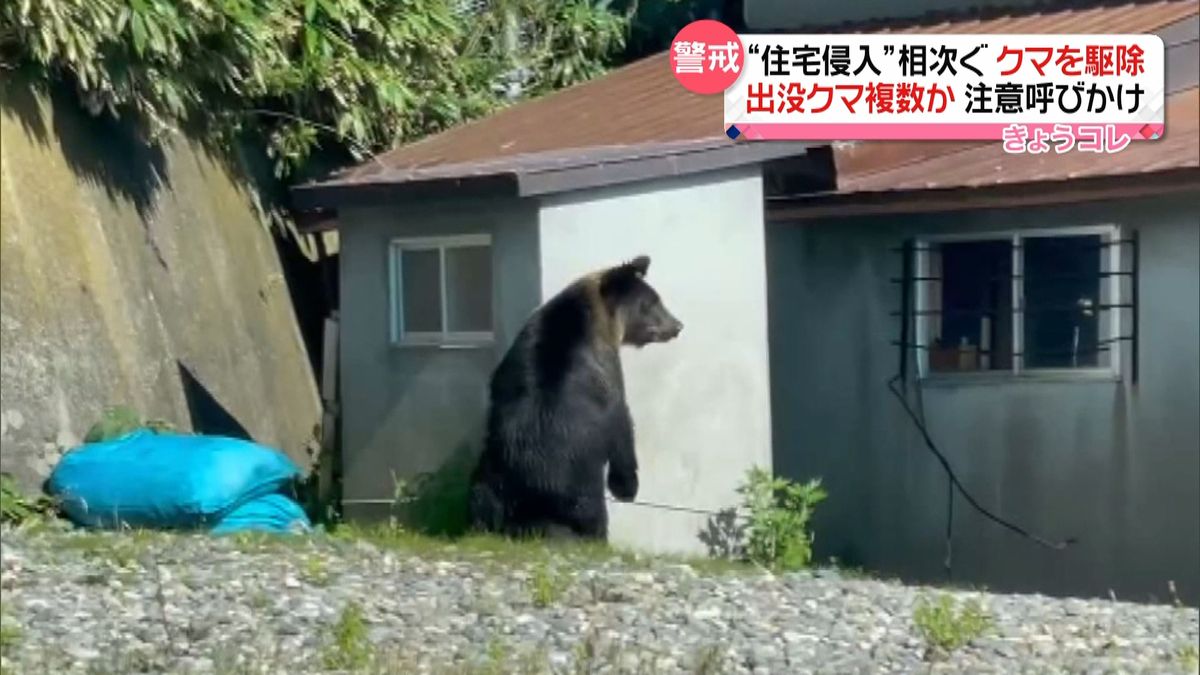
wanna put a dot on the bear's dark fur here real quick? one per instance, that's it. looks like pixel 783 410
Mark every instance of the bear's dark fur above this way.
pixel 558 412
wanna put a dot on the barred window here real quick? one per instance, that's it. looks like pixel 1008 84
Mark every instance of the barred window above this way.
pixel 1022 301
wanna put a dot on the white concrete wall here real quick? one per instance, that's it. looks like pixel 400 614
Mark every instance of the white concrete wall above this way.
pixel 701 403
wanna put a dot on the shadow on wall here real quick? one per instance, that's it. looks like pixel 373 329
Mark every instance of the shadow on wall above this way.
pixel 116 156
pixel 207 413
pixel 723 534
pixel 108 152
pixel 311 276
pixel 312 287
pixel 105 151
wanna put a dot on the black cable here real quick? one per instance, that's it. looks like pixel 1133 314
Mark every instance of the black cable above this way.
pixel 954 484
pixel 949 529
pixel 1058 546
pixel 948 561
pixel 666 507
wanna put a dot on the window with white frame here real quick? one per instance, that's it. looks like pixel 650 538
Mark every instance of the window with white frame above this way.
pixel 441 290
pixel 1028 301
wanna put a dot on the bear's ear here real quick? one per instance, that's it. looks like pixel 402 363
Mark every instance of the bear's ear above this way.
pixel 617 280
pixel 639 265
pixel 632 268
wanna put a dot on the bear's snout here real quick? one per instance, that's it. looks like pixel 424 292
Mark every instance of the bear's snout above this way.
pixel 665 327
pixel 673 330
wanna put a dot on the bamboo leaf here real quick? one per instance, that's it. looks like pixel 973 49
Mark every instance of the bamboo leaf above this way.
pixel 137 30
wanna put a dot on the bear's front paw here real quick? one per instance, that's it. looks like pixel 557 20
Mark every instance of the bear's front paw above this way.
pixel 623 486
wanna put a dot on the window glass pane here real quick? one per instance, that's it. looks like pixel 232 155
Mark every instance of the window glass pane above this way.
pixel 1062 296
pixel 469 289
pixel 422 304
pixel 973 330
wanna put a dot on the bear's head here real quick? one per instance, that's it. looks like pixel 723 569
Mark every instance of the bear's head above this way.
pixel 635 306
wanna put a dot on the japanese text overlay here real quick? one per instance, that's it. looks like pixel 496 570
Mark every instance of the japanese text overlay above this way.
pixel 1014 88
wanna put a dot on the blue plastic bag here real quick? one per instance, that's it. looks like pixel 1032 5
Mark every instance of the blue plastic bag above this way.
pixel 269 513
pixel 168 481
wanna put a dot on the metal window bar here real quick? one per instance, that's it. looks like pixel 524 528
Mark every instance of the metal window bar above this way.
pixel 909 313
pixel 1101 346
pixel 1006 277
pixel 1017 310
pixel 937 245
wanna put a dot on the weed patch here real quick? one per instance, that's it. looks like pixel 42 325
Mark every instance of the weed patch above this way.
pixel 1189 658
pixel 124 550
pixel 349 649
pixel 17 508
pixel 546 586
pixel 945 626
pixel 10 635
pixel 116 421
pixel 315 571
pixel 779 513
pixel 709 660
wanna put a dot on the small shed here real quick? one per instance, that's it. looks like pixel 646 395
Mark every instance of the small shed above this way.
pixel 808 279
pixel 448 245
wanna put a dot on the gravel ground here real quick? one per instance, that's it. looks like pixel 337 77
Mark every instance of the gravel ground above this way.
pixel 139 602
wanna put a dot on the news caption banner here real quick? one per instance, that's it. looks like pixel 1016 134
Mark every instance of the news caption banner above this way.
pixel 1033 93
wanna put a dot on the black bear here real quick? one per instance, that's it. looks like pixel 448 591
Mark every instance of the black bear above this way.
pixel 558 415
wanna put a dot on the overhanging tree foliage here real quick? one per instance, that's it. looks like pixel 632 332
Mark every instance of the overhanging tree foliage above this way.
pixel 341 75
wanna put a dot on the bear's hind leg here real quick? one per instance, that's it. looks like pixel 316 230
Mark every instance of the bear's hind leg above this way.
pixel 485 508
pixel 589 518
pixel 561 532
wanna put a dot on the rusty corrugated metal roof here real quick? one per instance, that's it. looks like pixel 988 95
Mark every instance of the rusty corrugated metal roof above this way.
pixel 872 167
pixel 541 173
pixel 1129 17
pixel 641 104
pixel 638 104
pixel 896 166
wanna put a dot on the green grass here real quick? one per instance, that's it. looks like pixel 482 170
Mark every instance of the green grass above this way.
pixel 483 548
pixel 265 542
pixel 547 585
pixel 18 508
pixel 260 600
pixel 15 507
pixel 1189 658
pixel 501 659
pixel 709 660
pixel 589 656
pixel 946 626
pixel 315 571
pixel 125 548
pixel 348 648
pixel 122 549
pixel 10 635
pixel 476 547
pixel 116 421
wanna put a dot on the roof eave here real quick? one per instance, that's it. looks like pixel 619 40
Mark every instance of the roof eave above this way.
pixel 815 206
pixel 338 195
pixel 674 165
pixel 540 182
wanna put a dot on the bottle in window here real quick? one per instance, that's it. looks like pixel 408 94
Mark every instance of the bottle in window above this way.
pixel 968 355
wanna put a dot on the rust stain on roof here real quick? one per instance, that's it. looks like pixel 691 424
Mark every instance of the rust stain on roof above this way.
pixel 638 104
pixel 641 104
pixel 922 166
pixel 1130 17
pixel 902 165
